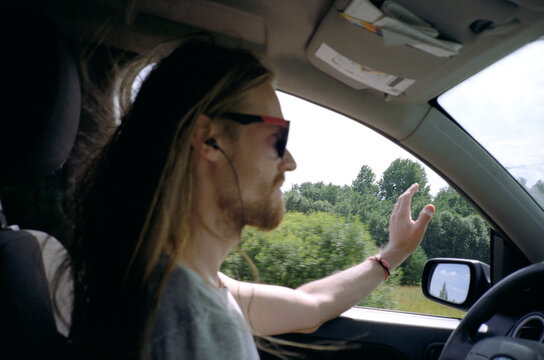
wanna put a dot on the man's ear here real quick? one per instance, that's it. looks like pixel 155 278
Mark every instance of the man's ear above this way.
pixel 205 129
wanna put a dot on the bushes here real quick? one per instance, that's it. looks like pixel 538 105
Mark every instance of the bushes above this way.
pixel 306 247
pixel 413 268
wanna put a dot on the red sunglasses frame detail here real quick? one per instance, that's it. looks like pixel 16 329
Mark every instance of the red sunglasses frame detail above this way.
pixel 246 119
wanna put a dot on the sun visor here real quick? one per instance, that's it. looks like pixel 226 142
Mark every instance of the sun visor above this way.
pixel 388 47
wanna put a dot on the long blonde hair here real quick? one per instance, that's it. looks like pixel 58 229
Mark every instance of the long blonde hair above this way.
pixel 133 203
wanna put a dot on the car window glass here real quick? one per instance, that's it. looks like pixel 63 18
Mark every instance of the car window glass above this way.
pixel 502 107
pixel 338 202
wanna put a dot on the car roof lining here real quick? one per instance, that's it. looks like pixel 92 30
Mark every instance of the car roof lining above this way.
pixel 292 38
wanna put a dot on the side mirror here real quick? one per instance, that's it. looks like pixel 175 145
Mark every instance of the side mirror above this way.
pixel 455 282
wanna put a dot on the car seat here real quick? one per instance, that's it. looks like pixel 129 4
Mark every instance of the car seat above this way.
pixel 39 122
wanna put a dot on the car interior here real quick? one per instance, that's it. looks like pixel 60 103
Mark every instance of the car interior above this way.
pixel 360 58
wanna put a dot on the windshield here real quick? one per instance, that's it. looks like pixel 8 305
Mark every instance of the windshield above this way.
pixel 502 107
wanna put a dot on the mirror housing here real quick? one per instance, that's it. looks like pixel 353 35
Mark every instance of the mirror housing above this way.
pixel 464 280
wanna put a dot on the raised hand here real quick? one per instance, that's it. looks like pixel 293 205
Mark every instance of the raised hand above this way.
pixel 405 234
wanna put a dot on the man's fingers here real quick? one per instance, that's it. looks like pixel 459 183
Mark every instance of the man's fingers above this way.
pixel 412 189
pixel 409 193
pixel 425 215
pixel 406 197
pixel 423 220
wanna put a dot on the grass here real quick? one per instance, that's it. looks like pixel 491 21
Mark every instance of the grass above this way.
pixel 411 299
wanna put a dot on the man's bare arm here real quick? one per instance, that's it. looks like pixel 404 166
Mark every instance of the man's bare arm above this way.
pixel 273 309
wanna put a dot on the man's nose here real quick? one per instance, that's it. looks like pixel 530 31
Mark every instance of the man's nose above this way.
pixel 288 163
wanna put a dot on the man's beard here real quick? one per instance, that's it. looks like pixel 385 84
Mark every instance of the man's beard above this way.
pixel 263 208
pixel 266 211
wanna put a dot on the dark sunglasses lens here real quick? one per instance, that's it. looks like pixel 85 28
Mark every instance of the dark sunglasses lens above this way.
pixel 282 143
pixel 246 119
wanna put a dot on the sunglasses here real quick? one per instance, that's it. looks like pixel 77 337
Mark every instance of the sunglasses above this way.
pixel 246 119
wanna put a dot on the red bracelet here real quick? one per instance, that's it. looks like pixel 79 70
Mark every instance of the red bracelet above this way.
pixel 383 263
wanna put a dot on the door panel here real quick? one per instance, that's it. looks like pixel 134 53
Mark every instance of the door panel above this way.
pixel 363 333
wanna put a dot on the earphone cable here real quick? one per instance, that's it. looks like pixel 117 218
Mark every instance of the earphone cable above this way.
pixel 237 184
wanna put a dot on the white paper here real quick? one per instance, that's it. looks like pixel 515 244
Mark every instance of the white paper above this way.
pixel 399 26
pixel 387 83
pixel 398 12
pixel 363 10
pixel 396 32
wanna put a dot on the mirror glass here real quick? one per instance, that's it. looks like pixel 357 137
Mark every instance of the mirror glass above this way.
pixel 450 282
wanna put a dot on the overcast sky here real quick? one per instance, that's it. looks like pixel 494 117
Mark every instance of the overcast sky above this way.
pixel 503 108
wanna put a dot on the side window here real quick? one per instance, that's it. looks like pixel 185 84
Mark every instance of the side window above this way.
pixel 338 203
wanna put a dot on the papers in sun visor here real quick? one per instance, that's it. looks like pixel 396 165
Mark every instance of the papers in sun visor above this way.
pixel 398 26
pixel 365 57
pixel 376 79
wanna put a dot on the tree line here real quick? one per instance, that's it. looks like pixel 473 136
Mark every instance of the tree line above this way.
pixel 329 227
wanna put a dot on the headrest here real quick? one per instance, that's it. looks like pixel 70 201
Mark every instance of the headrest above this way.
pixel 41 101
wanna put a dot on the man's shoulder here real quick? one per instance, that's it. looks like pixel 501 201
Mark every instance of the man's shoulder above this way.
pixel 186 283
pixel 188 305
pixel 193 319
pixel 185 291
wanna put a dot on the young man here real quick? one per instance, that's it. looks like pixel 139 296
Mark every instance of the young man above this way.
pixel 200 154
pixel 274 309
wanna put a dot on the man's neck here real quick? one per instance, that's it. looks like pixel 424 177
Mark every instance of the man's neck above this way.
pixel 210 245
pixel 215 222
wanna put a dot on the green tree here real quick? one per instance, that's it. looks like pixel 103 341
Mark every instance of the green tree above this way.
pixel 398 177
pixel 318 197
pixel 333 199
pixel 378 221
pixel 346 203
pixel 456 234
pixel 365 205
pixel 449 199
pixel 456 229
pixel 319 191
pixel 444 292
pixel 452 235
pixel 479 238
pixel 412 268
pixel 321 206
pixel 434 241
pixel 296 202
pixel 364 184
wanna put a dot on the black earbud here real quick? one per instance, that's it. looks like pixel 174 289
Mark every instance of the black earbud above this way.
pixel 212 143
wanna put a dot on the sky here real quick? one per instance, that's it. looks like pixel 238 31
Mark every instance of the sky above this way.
pixel 502 107
pixel 336 154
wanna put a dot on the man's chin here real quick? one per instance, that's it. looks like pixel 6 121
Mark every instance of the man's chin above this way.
pixel 270 218
pixel 271 223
